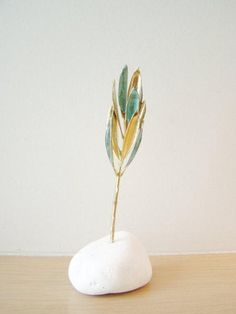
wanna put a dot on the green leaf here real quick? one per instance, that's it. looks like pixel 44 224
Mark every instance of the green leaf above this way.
pixel 108 142
pixel 136 82
pixel 133 104
pixel 122 90
pixel 136 146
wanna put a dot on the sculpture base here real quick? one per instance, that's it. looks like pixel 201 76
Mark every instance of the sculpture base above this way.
pixel 104 267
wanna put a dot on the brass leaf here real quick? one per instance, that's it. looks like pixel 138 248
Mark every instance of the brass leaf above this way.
pixel 136 147
pixel 108 138
pixel 136 82
pixel 114 99
pixel 116 108
pixel 129 135
pixel 114 135
pixel 142 113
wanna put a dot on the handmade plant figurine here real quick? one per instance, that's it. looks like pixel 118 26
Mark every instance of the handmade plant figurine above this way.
pixel 124 128
pixel 117 263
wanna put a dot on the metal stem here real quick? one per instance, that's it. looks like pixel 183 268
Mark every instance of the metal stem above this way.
pixel 118 176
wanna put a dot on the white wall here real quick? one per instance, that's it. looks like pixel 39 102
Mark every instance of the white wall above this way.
pixel 58 60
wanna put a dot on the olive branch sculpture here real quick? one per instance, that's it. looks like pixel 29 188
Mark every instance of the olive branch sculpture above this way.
pixel 124 128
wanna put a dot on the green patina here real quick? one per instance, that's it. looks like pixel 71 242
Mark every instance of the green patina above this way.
pixel 122 90
pixel 108 142
pixel 133 104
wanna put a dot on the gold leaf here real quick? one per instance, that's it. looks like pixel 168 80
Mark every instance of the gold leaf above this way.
pixel 116 108
pixel 142 113
pixel 114 135
pixel 136 83
pixel 108 138
pixel 129 135
pixel 114 99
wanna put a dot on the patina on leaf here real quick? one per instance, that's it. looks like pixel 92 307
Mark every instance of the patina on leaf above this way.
pixel 122 90
pixel 133 105
pixel 108 142
pixel 136 82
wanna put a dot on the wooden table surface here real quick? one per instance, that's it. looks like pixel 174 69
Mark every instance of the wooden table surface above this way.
pixel 181 284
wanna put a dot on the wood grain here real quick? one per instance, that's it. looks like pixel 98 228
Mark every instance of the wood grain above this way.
pixel 181 284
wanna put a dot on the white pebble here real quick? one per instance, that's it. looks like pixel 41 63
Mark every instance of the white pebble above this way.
pixel 103 267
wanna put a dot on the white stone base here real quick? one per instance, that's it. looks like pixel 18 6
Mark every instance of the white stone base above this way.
pixel 103 267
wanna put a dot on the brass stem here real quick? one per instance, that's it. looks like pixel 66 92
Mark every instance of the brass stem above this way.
pixel 118 176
